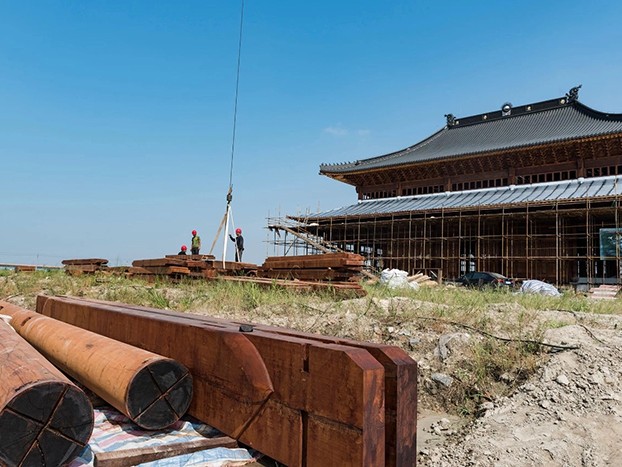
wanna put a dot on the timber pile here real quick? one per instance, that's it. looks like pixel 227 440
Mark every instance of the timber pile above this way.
pixel 200 266
pixel 152 391
pixel 194 266
pixel 423 280
pixel 44 418
pixel 604 292
pixel 25 268
pixel 340 267
pixel 339 289
pixel 299 398
pixel 86 265
pixel 168 266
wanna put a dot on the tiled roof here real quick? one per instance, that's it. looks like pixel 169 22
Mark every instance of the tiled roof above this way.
pixel 489 197
pixel 545 122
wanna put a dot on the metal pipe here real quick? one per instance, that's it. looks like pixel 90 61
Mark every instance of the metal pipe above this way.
pixel 44 418
pixel 151 390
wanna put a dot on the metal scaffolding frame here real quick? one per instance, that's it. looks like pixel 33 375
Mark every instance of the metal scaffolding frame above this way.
pixel 558 242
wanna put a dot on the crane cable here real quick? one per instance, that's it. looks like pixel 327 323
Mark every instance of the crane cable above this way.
pixel 225 220
pixel 235 107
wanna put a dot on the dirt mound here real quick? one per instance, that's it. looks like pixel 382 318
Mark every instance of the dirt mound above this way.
pixel 568 414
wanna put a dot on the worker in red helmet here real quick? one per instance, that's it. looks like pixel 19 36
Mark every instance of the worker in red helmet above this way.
pixel 183 250
pixel 239 244
pixel 196 243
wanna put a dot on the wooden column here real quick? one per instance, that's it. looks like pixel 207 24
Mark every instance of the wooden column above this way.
pixel 44 418
pixel 151 390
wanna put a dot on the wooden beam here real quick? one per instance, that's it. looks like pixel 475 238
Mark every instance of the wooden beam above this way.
pixel 327 407
pixel 136 456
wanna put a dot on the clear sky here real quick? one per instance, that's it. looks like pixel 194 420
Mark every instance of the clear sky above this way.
pixel 116 117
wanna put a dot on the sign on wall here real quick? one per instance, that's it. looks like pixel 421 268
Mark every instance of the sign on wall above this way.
pixel 610 243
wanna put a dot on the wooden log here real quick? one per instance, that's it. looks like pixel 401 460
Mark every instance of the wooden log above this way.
pixel 136 456
pixel 44 418
pixel 400 382
pixel 328 398
pixel 152 391
pixel 230 380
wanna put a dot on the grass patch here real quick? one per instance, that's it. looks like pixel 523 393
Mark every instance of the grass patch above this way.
pixel 483 367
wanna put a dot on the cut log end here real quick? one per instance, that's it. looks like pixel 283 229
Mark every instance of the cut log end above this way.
pixel 159 394
pixel 47 423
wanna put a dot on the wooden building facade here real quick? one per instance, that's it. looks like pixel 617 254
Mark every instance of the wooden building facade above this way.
pixel 531 192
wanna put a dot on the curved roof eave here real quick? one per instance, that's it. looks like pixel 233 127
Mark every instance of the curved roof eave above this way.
pixel 566 122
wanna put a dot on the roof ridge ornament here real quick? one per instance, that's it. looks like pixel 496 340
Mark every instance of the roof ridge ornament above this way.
pixel 451 120
pixel 573 94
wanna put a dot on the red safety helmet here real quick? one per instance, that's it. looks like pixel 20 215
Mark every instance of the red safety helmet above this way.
pixel 194 232
pixel 184 248
pixel 238 231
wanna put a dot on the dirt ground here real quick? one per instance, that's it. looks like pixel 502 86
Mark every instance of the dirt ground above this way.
pixel 568 414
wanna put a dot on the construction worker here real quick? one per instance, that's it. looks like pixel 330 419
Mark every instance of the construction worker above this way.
pixel 183 250
pixel 239 244
pixel 196 243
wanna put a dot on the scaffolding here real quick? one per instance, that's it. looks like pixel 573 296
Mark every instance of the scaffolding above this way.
pixel 558 242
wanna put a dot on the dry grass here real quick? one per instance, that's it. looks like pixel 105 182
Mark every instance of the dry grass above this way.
pixel 483 367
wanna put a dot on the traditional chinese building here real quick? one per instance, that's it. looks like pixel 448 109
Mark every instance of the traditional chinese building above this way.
pixel 529 191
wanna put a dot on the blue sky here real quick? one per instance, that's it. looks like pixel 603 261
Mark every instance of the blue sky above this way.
pixel 116 117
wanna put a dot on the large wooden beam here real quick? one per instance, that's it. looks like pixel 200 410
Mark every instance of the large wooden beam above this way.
pixel 151 390
pixel 328 401
pixel 400 379
pixel 44 418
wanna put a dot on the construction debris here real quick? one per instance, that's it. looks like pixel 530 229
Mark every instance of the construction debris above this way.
pixel 340 402
pixel 57 426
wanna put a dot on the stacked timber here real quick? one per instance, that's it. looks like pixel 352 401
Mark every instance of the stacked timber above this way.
pixel 85 265
pixel 44 418
pixel 338 267
pixel 200 266
pixel 341 290
pixel 168 266
pixel 299 398
pixel 422 279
